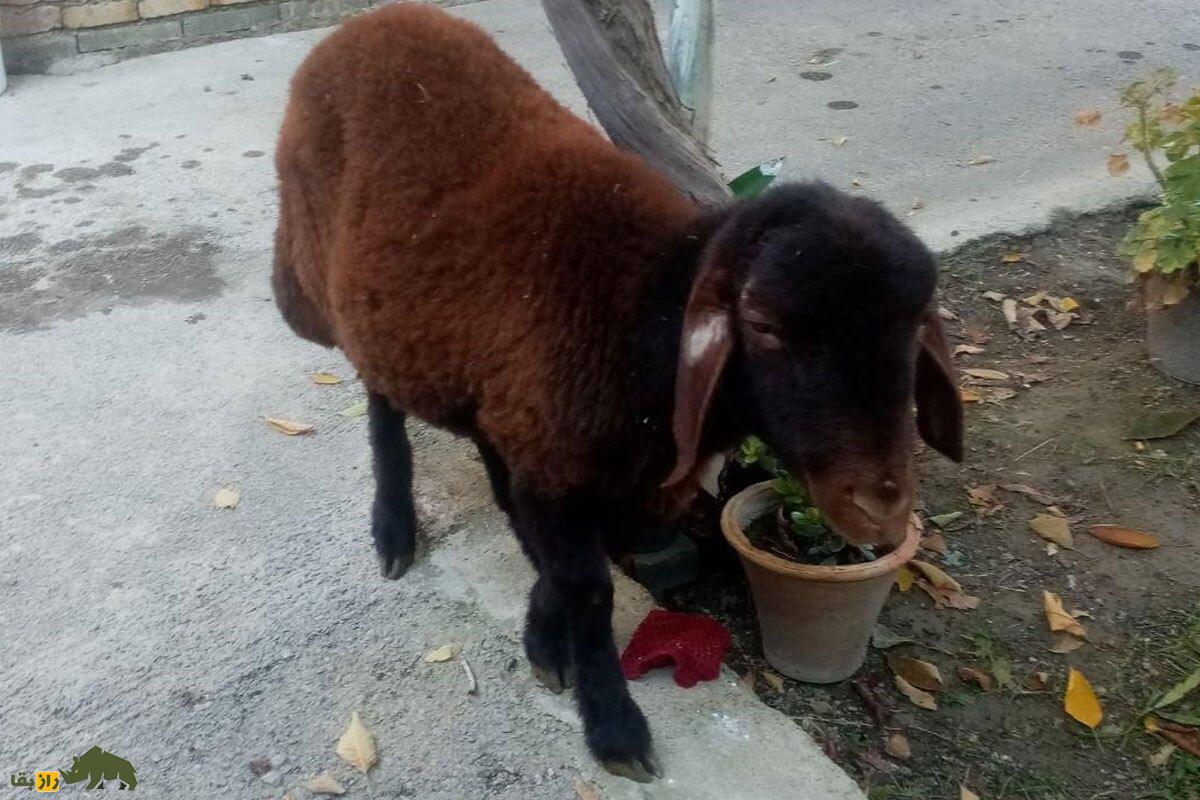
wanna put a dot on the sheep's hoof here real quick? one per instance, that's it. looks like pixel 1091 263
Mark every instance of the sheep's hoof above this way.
pixel 551 678
pixel 643 769
pixel 392 567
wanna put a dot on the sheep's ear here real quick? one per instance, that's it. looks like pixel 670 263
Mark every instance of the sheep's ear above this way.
pixel 939 406
pixel 703 350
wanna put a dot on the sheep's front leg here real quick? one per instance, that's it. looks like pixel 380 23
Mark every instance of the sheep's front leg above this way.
pixel 393 516
pixel 571 612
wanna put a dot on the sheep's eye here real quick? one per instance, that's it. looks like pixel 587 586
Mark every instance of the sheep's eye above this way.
pixel 764 334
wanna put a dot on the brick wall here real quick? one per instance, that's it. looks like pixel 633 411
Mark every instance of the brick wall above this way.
pixel 67 35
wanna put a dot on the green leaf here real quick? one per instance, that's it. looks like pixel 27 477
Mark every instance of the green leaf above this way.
pixel 755 180
pixel 942 520
pixel 1160 424
pixel 1178 692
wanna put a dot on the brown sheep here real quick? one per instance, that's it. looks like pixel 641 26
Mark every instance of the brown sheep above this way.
pixel 493 265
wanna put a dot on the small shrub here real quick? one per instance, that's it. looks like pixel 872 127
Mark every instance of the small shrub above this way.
pixel 1164 244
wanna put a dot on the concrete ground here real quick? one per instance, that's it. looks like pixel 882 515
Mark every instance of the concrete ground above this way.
pixel 140 351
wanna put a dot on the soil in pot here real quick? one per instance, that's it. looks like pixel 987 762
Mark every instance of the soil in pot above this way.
pixel 770 534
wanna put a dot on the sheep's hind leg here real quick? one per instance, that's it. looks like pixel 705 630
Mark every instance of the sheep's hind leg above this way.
pixel 393 516
pixel 575 587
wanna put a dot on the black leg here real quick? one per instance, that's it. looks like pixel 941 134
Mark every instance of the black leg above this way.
pixel 393 517
pixel 497 472
pixel 573 599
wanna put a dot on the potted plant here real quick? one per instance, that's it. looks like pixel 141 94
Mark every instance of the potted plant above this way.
pixel 816 597
pixel 1164 244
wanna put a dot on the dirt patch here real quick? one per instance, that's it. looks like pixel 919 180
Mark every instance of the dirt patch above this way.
pixel 94 272
pixel 1062 433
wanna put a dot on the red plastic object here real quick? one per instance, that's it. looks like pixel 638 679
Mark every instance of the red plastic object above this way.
pixel 694 643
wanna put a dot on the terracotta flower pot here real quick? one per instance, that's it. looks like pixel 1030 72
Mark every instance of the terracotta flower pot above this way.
pixel 1173 338
pixel 815 621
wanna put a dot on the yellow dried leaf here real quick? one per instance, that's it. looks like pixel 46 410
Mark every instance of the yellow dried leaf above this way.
pixel 774 679
pixel 968 350
pixel 1124 537
pixel 1118 164
pixel 1080 701
pixel 1151 725
pixel 1057 617
pixel 325 378
pixel 324 784
pixel 289 427
pixel 1008 307
pixel 444 653
pixel 357 745
pixel 969 395
pixel 1012 258
pixel 917 697
pixel 1087 117
pixel 1034 300
pixel 936 576
pixel 986 374
pixel 585 790
pixel 905 578
pixel 226 497
pixel 1174 292
pixel 1053 529
pixel 1066 304
pixel 966 794
pixel 898 747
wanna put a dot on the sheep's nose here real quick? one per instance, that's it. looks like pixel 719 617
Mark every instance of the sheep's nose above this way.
pixel 881 501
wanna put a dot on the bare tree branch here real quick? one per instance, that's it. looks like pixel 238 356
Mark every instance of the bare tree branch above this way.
pixel 612 47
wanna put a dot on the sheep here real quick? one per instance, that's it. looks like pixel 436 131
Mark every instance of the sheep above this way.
pixel 492 265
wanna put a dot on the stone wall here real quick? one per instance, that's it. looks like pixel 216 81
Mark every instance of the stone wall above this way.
pixel 68 35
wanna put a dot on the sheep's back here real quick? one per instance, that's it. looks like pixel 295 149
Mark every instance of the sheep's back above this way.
pixel 486 247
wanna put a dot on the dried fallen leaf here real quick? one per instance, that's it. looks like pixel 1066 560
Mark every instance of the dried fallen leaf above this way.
pixel 1008 307
pixel 1027 322
pixel 905 578
pixel 1064 304
pixel 917 204
pixel 1118 164
pixel 1053 529
pixel 1057 617
pixel 1059 320
pixel 1080 701
pixel 226 497
pixel 1065 643
pixel 324 784
pixel 289 427
pixel 774 679
pixel 918 673
pixel 839 141
pixel 1160 424
pixel 918 698
pixel 1036 495
pixel 585 790
pixel 986 374
pixel 898 747
pixel 325 378
pixel 1000 393
pixel 444 653
pixel 968 395
pixel 1182 736
pixel 975 675
pixel 357 745
pixel 935 543
pixel 1034 300
pixel 966 794
pixel 1124 537
pixel 1087 117
pixel 942 520
pixel 355 409
pixel 983 498
pixel 748 680
pixel 1012 258
pixel 1036 682
pixel 936 576
pixel 946 313
pixel 976 161
pixel 959 600
pixel 968 350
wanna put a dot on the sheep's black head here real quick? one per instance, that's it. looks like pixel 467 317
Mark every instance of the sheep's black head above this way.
pixel 814 312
